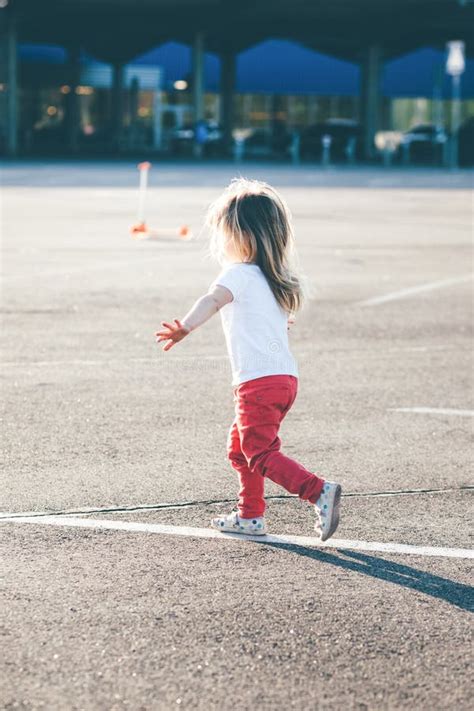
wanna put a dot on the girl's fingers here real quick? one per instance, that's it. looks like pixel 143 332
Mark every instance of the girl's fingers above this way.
pixel 171 334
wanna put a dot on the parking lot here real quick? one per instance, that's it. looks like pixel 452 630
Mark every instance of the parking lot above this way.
pixel 103 431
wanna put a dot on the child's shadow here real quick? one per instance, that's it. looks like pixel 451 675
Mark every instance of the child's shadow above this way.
pixel 454 593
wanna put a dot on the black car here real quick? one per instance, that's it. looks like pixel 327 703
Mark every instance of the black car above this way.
pixel 182 139
pixel 424 143
pixel 342 137
pixel 466 142
pixel 274 143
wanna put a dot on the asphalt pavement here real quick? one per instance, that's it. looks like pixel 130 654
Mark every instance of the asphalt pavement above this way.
pixel 99 421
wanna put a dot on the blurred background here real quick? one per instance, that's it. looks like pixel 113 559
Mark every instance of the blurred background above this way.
pixel 99 423
pixel 330 82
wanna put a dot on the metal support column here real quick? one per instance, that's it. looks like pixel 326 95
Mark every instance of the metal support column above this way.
pixel 133 136
pixel 455 121
pixel 227 97
pixel 198 89
pixel 370 97
pixel 117 104
pixel 72 99
pixel 10 52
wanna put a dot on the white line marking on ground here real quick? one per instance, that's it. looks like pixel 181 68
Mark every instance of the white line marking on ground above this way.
pixel 316 353
pixel 306 541
pixel 404 293
pixel 70 271
pixel 434 411
pixel 218 502
pixel 107 361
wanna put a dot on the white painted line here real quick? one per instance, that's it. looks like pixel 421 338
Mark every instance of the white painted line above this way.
pixel 317 352
pixel 404 293
pixel 107 361
pixel 218 502
pixel 434 411
pixel 68 271
pixel 306 541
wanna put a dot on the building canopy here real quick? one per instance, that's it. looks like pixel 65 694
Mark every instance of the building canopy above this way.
pixel 283 67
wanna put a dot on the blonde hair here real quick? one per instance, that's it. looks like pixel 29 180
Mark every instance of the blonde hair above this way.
pixel 257 222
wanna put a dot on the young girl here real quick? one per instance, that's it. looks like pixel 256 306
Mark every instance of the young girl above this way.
pixel 256 293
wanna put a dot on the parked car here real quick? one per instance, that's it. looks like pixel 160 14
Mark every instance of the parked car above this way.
pixel 423 144
pixel 272 143
pixel 211 136
pixel 466 142
pixel 345 140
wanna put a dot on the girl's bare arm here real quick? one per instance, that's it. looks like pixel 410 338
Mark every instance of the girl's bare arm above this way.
pixel 203 309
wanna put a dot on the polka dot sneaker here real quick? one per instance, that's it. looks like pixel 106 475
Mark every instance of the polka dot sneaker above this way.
pixel 327 509
pixel 232 523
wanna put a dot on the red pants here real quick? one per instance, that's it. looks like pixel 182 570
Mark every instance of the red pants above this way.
pixel 254 445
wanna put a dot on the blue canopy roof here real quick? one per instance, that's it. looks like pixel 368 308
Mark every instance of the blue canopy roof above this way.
pixel 283 67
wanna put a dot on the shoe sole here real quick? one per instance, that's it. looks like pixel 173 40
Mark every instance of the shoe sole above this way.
pixel 335 514
pixel 236 530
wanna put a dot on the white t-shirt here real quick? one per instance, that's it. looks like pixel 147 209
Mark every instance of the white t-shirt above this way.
pixel 255 325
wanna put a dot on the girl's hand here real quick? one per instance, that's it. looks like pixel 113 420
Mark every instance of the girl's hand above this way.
pixel 203 309
pixel 172 333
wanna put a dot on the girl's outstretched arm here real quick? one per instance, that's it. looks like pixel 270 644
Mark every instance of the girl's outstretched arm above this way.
pixel 203 309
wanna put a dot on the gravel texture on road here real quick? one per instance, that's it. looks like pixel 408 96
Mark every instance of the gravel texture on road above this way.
pixel 97 416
